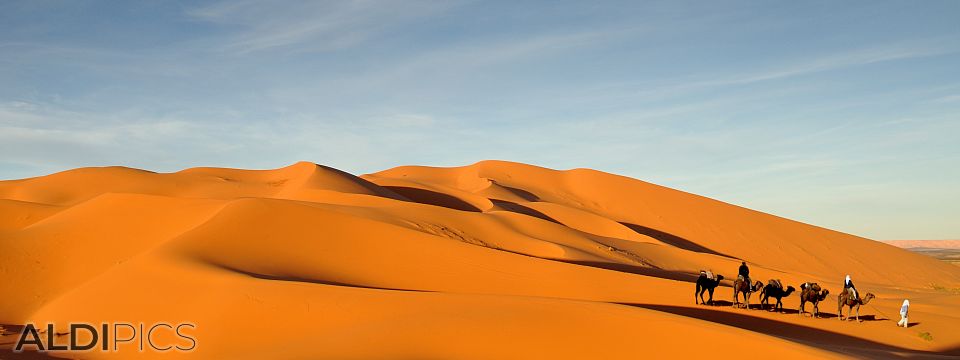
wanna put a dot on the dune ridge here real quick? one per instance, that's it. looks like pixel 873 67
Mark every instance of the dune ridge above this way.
pixel 439 263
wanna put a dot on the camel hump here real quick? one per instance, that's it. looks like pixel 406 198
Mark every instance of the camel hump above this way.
pixel 811 286
pixel 775 283
pixel 708 274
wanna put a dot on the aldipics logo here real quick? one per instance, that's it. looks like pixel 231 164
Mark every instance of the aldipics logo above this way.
pixel 109 337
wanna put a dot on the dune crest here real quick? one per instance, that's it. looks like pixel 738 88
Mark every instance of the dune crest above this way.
pixel 435 262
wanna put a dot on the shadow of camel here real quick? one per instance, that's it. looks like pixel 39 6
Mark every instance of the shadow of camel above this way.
pixel 823 339
pixel 673 239
pixel 862 317
pixel 719 303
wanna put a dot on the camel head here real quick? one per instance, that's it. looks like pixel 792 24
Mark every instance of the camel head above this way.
pixel 823 295
pixel 719 277
pixel 867 298
pixel 790 290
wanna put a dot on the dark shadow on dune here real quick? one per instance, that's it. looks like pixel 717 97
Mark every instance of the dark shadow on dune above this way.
pixel 520 209
pixel 718 303
pixel 826 340
pixel 434 198
pixel 11 333
pixel 302 280
pixel 808 313
pixel 862 317
pixel 11 329
pixel 376 189
pixel 25 355
pixel 672 239
pixel 526 195
pixel 640 270
pixel 785 310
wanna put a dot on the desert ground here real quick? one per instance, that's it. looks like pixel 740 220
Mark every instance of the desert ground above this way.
pixel 495 260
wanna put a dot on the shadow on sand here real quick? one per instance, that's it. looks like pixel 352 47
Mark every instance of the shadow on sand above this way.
pixel 827 340
pixel 520 209
pixel 672 239
pixel 434 198
pixel 639 270
pixel 9 338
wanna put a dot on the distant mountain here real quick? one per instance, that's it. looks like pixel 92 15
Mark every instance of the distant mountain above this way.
pixel 925 244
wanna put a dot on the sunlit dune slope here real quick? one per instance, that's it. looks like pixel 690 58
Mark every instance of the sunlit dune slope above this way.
pixel 681 220
pixel 491 260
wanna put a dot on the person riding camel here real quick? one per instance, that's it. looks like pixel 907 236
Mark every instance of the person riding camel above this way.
pixel 744 272
pixel 848 286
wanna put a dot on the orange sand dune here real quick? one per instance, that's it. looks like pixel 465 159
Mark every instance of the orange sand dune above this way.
pixel 493 260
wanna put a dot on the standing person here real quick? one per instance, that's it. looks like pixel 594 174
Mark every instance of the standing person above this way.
pixel 848 284
pixel 745 272
pixel 903 313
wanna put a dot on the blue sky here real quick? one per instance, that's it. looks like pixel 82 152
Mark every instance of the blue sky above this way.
pixel 841 114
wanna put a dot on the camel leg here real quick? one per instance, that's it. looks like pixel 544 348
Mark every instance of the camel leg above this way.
pixel 711 297
pixel 800 313
pixel 858 313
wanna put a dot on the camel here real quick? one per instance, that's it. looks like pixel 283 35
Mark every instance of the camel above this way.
pixel 705 284
pixel 845 298
pixel 741 286
pixel 810 292
pixel 776 292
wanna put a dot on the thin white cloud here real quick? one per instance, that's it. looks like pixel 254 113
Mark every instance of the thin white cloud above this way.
pixel 946 99
pixel 311 25
pixel 835 61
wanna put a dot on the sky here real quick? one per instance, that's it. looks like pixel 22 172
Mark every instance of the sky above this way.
pixel 845 114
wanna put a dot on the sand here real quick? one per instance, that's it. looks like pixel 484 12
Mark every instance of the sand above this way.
pixel 495 260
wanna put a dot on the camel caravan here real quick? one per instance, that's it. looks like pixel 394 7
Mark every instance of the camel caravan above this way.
pixel 810 292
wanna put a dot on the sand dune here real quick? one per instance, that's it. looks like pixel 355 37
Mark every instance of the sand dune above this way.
pixel 492 260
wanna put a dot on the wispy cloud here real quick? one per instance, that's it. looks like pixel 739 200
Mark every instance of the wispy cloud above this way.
pixel 312 25
pixel 841 60
pixel 812 65
pixel 946 99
